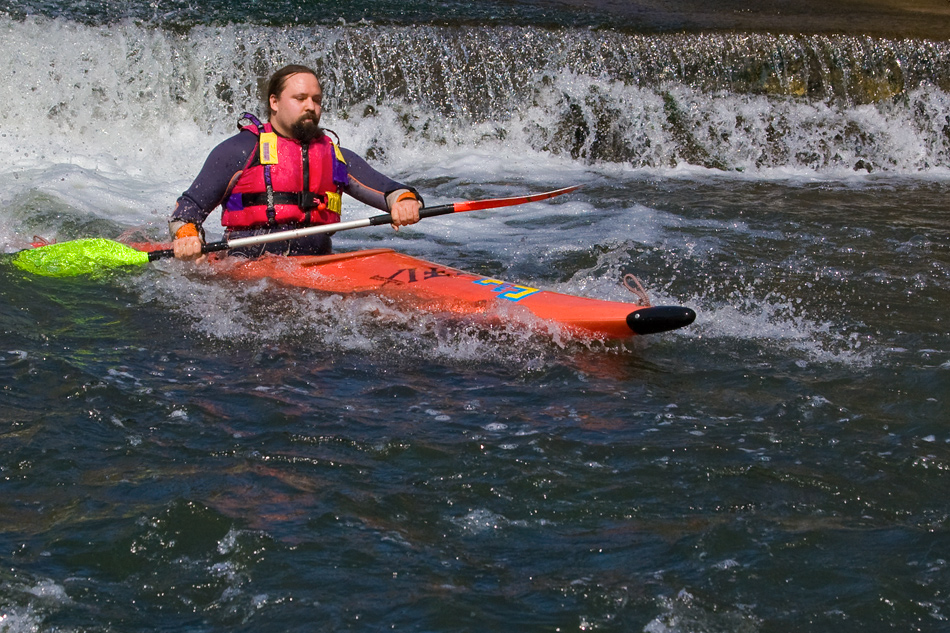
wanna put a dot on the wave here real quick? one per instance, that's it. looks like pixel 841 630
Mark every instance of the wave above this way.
pixel 733 102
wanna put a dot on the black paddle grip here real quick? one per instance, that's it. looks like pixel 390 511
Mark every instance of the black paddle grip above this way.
pixel 213 247
pixel 429 212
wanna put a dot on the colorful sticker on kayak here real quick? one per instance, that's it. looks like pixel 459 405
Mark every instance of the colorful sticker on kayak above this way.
pixel 509 291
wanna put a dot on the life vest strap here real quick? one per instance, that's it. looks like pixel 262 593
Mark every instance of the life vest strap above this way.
pixel 269 197
pixel 305 200
pixel 305 169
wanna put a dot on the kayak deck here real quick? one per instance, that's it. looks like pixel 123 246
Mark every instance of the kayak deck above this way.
pixel 440 289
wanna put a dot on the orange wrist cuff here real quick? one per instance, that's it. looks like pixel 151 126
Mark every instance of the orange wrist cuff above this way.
pixel 186 230
pixel 407 196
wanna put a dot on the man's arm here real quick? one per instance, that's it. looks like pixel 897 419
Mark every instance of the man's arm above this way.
pixel 382 192
pixel 221 169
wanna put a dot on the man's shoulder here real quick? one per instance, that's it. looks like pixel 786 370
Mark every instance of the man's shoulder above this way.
pixel 239 146
pixel 243 138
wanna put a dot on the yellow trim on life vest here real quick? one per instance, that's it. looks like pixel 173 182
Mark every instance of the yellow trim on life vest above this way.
pixel 339 154
pixel 268 148
pixel 334 202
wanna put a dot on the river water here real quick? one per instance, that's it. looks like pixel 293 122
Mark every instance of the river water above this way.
pixel 181 452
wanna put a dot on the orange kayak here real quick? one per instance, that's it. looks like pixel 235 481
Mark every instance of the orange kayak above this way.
pixel 434 288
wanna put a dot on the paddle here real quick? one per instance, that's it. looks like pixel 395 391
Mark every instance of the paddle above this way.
pixel 85 256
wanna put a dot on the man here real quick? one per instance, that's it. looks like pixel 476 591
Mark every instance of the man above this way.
pixel 282 175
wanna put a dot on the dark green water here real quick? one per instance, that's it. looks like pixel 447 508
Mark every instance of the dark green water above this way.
pixel 779 466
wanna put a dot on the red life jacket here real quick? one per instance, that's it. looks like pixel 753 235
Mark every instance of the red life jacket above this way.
pixel 286 182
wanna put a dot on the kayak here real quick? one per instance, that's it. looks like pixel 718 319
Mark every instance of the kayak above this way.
pixel 433 288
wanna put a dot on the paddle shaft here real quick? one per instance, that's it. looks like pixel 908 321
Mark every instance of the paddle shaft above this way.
pixel 238 242
pixel 376 220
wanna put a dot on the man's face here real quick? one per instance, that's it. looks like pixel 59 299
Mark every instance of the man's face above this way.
pixel 295 112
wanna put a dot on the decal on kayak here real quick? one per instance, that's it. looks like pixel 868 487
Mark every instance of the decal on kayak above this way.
pixel 506 290
pixel 411 275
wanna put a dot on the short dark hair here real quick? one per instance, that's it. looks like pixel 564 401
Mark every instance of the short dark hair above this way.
pixel 277 81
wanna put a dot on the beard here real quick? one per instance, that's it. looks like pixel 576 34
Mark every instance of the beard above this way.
pixel 306 129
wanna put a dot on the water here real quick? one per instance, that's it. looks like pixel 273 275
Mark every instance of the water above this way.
pixel 182 452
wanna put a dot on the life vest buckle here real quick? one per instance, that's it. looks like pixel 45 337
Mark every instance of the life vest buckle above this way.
pixel 308 200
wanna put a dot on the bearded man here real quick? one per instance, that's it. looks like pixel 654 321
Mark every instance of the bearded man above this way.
pixel 284 174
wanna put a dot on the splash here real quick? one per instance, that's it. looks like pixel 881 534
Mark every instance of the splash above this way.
pixel 685 612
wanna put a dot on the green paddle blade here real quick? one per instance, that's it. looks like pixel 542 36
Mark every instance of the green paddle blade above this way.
pixel 78 257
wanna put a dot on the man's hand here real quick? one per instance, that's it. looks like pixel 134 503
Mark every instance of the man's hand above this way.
pixel 405 212
pixel 187 248
pixel 187 244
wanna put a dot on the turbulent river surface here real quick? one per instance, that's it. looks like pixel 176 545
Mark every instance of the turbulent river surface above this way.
pixel 184 452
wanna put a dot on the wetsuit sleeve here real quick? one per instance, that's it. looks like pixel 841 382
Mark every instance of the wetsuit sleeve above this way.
pixel 368 185
pixel 217 176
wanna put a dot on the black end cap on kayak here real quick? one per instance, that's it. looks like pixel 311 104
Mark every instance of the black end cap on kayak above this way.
pixel 659 319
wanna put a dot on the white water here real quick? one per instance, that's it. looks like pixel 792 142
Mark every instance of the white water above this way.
pixel 140 102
